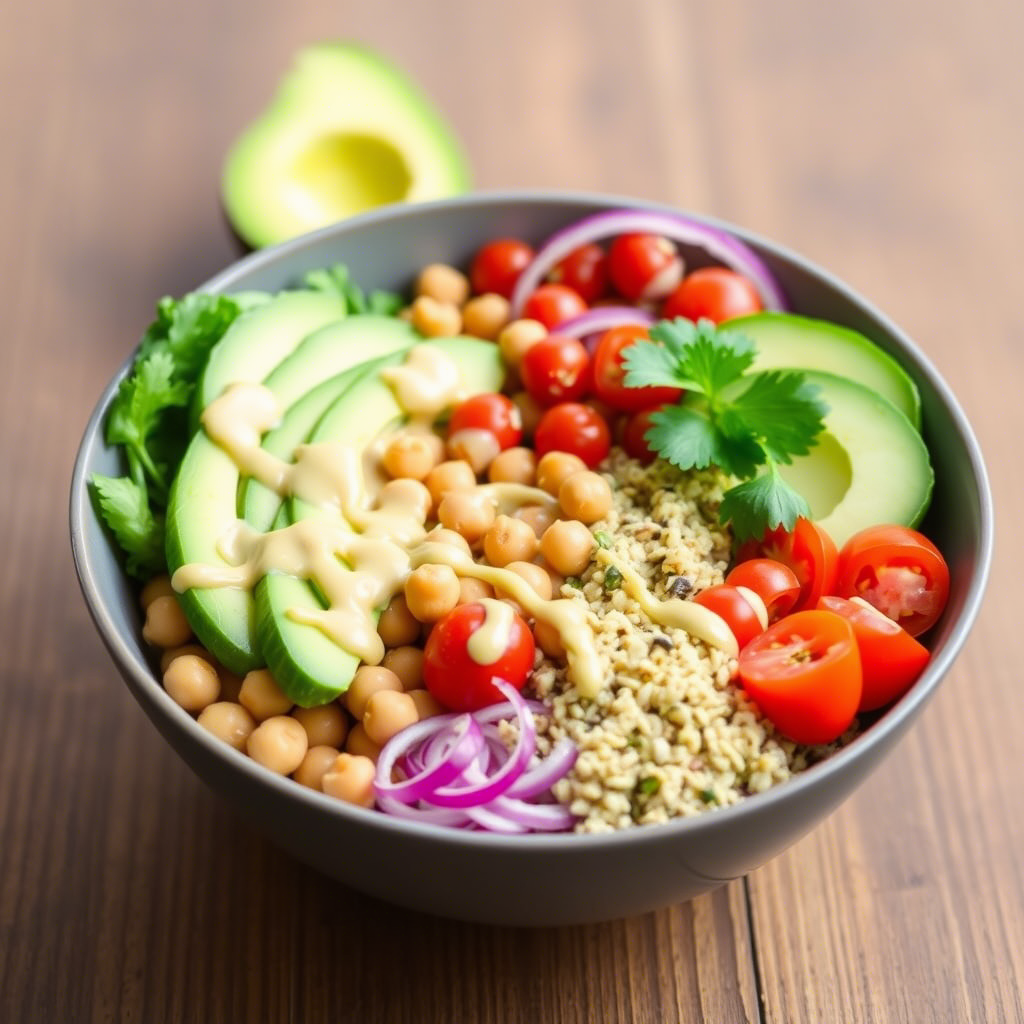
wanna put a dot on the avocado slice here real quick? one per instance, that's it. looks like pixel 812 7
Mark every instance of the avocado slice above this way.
pixel 345 132
pixel 787 341
pixel 869 466
pixel 204 498
pixel 308 666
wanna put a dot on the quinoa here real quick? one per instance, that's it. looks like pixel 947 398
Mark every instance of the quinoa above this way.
pixel 669 734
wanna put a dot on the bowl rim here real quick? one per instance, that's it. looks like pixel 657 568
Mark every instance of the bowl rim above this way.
pixel 893 721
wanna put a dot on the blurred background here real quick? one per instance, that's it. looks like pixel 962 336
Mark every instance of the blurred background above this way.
pixel 880 140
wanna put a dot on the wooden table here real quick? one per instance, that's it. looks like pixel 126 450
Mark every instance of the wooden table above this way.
pixel 881 140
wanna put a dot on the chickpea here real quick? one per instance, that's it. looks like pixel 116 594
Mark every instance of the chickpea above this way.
pixel 535 575
pixel 315 764
pixel 350 778
pixel 450 476
pixel 555 468
pixel 426 704
pixel 529 411
pixel 431 592
pixel 176 652
pixel 477 447
pixel 485 316
pixel 407 664
pixel 192 682
pixel 537 517
pixel 412 456
pixel 513 466
pixel 471 590
pixel 166 625
pixel 435 319
pixel 567 546
pixel 509 540
pixel 366 682
pixel 443 283
pixel 518 338
pixel 279 744
pixel 359 744
pixel 158 586
pixel 398 625
pixel 407 497
pixel 470 513
pixel 325 725
pixel 388 713
pixel 549 640
pixel 262 697
pixel 585 496
pixel 229 722
pixel 439 535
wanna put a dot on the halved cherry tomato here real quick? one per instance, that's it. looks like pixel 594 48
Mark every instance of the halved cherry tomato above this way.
pixel 608 373
pixel 891 659
pixel 556 369
pixel 731 604
pixel 455 678
pixel 644 267
pixel 585 271
pixel 633 440
pixel 495 413
pixel 497 265
pixel 572 427
pixel 774 582
pixel 712 293
pixel 808 550
pixel 899 571
pixel 804 673
pixel 553 304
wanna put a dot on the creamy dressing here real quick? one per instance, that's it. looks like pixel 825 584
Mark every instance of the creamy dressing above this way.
pixel 427 383
pixel 491 638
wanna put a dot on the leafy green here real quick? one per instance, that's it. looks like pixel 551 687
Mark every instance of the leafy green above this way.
pixel 125 507
pixel 746 424
pixel 337 280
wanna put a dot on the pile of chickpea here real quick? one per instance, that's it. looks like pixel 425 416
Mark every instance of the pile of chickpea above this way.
pixel 334 748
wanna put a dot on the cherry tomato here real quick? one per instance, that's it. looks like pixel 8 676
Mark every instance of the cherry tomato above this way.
pixel 633 440
pixel 712 293
pixel 553 304
pixel 455 678
pixel 774 582
pixel 731 604
pixel 891 659
pixel 497 265
pixel 804 673
pixel 575 428
pixel 496 413
pixel 608 374
pixel 556 369
pixel 899 571
pixel 644 267
pixel 585 271
pixel 808 550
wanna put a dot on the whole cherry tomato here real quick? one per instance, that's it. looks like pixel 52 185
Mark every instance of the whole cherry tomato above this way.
pixel 633 436
pixel 741 614
pixel 572 427
pixel 497 265
pixel 804 674
pixel 774 582
pixel 712 293
pixel 891 659
pixel 585 271
pixel 452 674
pixel 899 571
pixel 644 268
pixel 556 369
pixel 609 374
pixel 553 304
pixel 495 413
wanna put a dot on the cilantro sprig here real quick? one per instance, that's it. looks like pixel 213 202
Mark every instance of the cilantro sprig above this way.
pixel 746 424
pixel 338 280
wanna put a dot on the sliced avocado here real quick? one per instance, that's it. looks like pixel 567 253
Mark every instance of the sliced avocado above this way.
pixel 869 466
pixel 345 132
pixel 307 665
pixel 787 341
pixel 204 499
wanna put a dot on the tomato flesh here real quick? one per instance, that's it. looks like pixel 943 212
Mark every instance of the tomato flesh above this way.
pixel 572 427
pixel 609 374
pixel 774 582
pixel 644 267
pixel 553 304
pixel 497 414
pixel 585 271
pixel 739 614
pixel 556 369
pixel 634 439
pixel 712 293
pixel 497 265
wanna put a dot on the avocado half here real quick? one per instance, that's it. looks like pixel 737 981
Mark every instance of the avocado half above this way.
pixel 345 132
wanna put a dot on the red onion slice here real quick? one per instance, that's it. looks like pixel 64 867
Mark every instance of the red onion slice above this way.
pixel 535 817
pixel 603 318
pixel 717 243
pixel 544 775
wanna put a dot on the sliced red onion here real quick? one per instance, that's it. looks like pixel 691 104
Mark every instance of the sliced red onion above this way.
pixel 717 243
pixel 492 821
pixel 604 318
pixel 544 775
pixel 535 817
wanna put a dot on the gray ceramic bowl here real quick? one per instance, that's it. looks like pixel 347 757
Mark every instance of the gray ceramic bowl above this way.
pixel 534 879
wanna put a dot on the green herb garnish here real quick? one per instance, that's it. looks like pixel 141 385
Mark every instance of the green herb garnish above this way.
pixel 747 431
pixel 612 579
pixel 708 796
pixel 648 786
pixel 338 280
pixel 602 539
pixel 575 582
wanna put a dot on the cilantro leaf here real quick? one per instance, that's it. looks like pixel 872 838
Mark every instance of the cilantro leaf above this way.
pixel 706 356
pixel 338 280
pixel 760 504
pixel 782 409
pixel 649 364
pixel 684 436
pixel 125 509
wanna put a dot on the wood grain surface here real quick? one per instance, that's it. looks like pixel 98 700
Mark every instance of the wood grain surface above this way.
pixel 882 140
